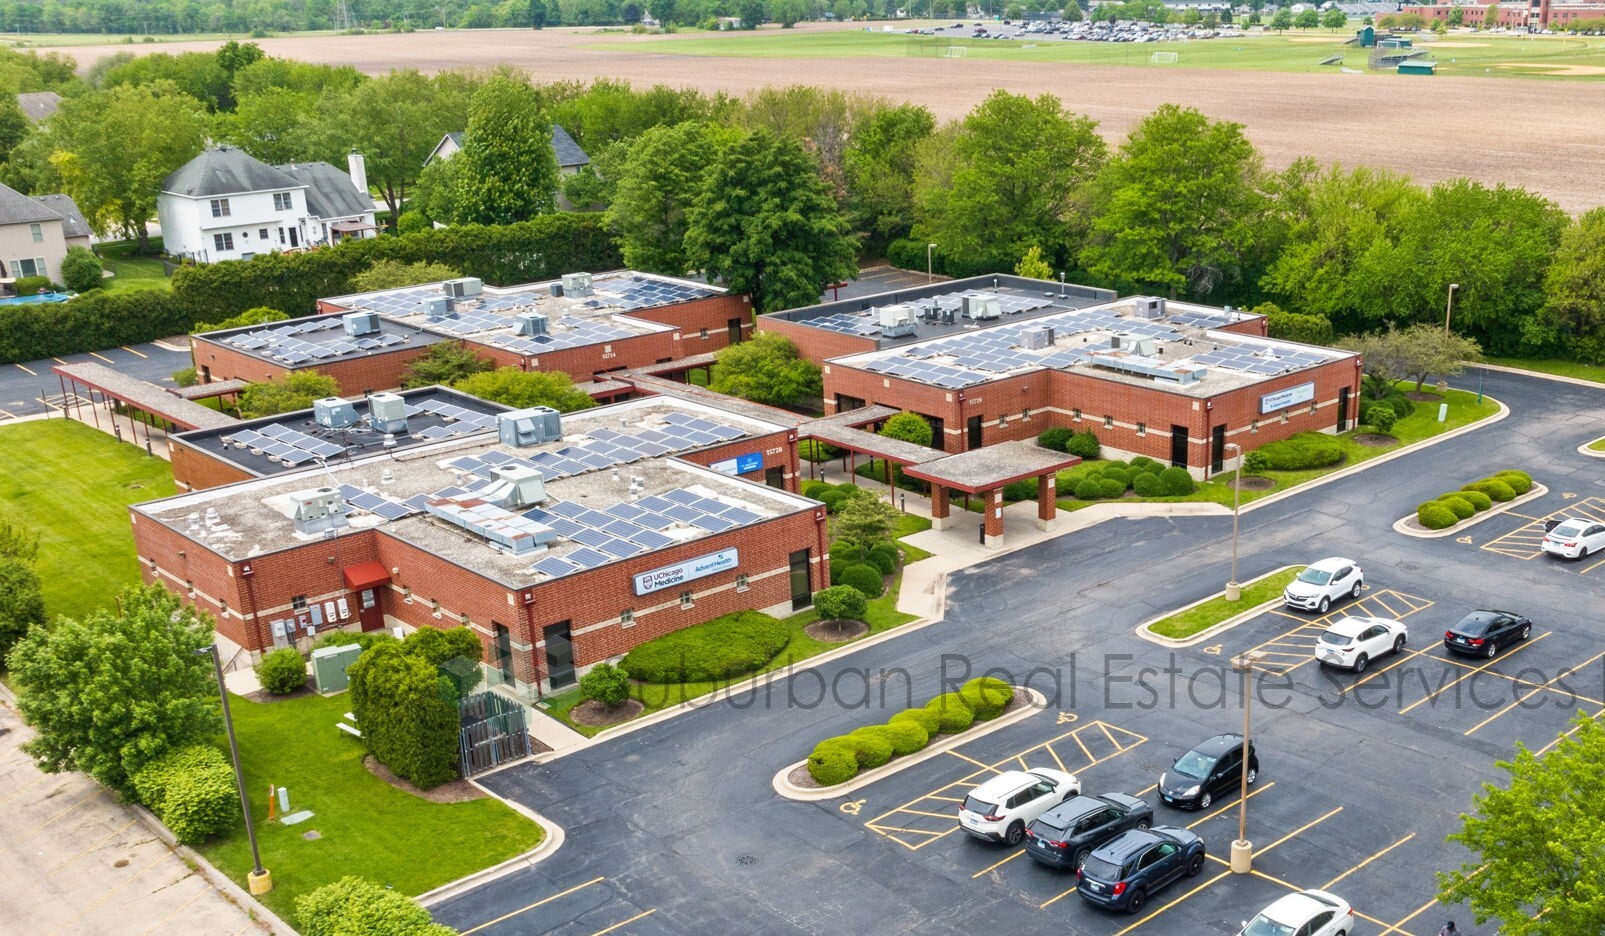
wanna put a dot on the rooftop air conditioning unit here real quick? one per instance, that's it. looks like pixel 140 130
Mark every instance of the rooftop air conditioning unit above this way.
pixel 361 323
pixel 1037 339
pixel 577 284
pixel 984 308
pixel 529 324
pixel 1149 307
pixel 317 510
pixel 387 412
pixel 557 290
pixel 464 288
pixel 532 426
pixel 515 486
pixel 1144 347
pixel 334 413
pixel 896 321
pixel 947 317
pixel 437 308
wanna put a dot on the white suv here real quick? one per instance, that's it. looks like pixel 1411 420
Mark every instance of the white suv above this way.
pixel 1322 583
pixel 1000 809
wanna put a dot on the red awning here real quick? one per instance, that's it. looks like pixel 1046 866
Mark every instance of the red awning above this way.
pixel 366 575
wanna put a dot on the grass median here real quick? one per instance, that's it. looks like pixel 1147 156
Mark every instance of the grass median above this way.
pixel 1201 617
pixel 1598 445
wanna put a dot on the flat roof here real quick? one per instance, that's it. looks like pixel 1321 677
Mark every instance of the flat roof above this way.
pixel 294 441
pixel 1137 340
pixel 606 498
pixel 316 340
pixel 993 466
pixel 144 395
pixel 1019 298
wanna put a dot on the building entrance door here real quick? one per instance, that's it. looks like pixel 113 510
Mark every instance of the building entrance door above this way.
pixel 559 655
pixel 1178 446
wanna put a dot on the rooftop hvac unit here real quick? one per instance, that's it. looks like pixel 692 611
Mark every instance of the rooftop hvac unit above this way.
pixel 334 413
pixel 1118 341
pixel 557 290
pixel 982 308
pixel 1150 308
pixel 526 427
pixel 1037 339
pixel 529 324
pixel 947 316
pixel 387 412
pixel 1143 347
pixel 361 323
pixel 896 321
pixel 318 509
pixel 577 284
pixel 437 308
pixel 464 288
pixel 515 487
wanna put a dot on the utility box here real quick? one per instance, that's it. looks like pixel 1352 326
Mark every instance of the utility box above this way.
pixel 329 667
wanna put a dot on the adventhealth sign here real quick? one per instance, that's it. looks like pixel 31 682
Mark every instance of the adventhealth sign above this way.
pixel 1282 399
pixel 700 567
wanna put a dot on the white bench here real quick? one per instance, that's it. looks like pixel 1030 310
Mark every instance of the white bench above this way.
pixel 348 729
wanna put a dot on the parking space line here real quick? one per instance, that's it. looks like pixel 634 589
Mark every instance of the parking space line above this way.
pixel 1297 889
pixel 615 926
pixel 1592 567
pixel 92 847
pixel 205 889
pixel 24 788
pixel 1293 617
pixel 1107 734
pixel 921 812
pixel 1083 746
pixel 91 795
pixel 132 351
pixel 1433 695
pixel 102 357
pixel 1328 884
pixel 1534 691
pixel 538 903
pixel 1173 903
pixel 1257 791
pixel 1398 927
pixel 1563 736
pixel 1150 788
pixel 946 799
pixel 996 865
pixel 108 895
pixel 1306 826
pixel 26 370
pixel 58 360
pixel 1517 679
pixel 975 762
pixel 1056 758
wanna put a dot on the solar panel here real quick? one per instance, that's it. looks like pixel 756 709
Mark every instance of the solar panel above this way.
pixel 740 516
pixel 682 513
pixel 625 511
pixel 620 549
pixel 680 496
pixel 555 566
pixel 655 503
pixel 587 558
pixel 651 539
pixel 713 524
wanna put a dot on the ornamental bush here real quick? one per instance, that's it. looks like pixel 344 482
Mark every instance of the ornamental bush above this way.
pixel 1401 404
pixel 1088 489
pixel 840 603
pixel 986 696
pixel 905 736
pixel 1255 463
pixel 1436 516
pixel 924 717
pixel 814 488
pixel 1111 487
pixel 951 711
pixel 1016 491
pixel 1495 488
pixel 845 553
pixel 1083 445
pixel 832 762
pixel 832 499
pixel 1142 463
pixel 605 683
pixel 81 269
pixel 1379 415
pixel 283 671
pixel 1114 473
pixel 353 906
pixel 1301 452
pixel 1459 505
pixel 192 790
pixel 1148 485
pixel 732 645
pixel 1176 482
pixel 884 556
pixel 1520 482
pixel 1478 499
pixel 870 747
pixel 1055 438
pixel 864 577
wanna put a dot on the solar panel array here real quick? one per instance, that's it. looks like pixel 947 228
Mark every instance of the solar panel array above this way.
pixel 863 324
pixel 607 448
pixel 625 530
pixel 316 339
pixel 458 420
pixel 626 293
pixel 1199 319
pixel 375 504
pixel 283 444
pixel 641 293
pixel 866 324
pixel 1255 358
pixel 568 332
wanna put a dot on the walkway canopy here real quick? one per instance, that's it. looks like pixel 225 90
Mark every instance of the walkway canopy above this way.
pixel 141 395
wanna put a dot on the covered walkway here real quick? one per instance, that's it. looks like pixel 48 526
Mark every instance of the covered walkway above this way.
pixel 149 411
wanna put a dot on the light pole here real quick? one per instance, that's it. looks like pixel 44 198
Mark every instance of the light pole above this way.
pixel 1449 307
pixel 1234 591
pixel 260 880
pixel 1243 849
pixel 929 278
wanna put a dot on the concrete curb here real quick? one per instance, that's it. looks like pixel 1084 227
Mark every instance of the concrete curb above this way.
pixel 1203 635
pixel 549 845
pixel 791 791
pixel 1541 375
pixel 1399 526
pixel 1591 453
pixel 264 917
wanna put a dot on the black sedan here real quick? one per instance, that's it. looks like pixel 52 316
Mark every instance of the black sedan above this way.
pixel 1065 835
pixel 1482 633
pixel 1211 769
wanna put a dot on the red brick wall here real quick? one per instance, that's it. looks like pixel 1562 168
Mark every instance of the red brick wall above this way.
pixel 381 370
pixel 817 344
pixel 713 313
pixel 1259 325
pixel 779 450
pixel 195 469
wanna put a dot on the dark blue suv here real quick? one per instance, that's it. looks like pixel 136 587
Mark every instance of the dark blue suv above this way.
pixel 1122 874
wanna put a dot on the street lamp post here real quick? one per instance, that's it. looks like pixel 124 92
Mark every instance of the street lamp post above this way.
pixel 1234 591
pixel 1449 307
pixel 1243 849
pixel 929 277
pixel 261 881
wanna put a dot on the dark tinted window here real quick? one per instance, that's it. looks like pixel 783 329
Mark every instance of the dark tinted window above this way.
pixel 1475 624
pixel 978 806
pixel 1101 869
pixel 1048 828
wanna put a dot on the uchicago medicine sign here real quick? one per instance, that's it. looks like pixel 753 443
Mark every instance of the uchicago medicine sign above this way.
pixel 700 567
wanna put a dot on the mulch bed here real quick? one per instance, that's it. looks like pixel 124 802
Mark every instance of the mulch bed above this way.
pixel 1252 483
pixel 836 631
pixel 593 714
pixel 457 791
pixel 1375 440
pixel 800 777
pixel 262 695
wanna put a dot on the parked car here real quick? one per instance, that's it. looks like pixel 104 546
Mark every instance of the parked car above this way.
pixel 1482 633
pixel 1353 642
pixel 1208 770
pixel 1000 809
pixel 1306 913
pixel 1066 834
pixel 1574 538
pixel 1322 583
pixel 1122 874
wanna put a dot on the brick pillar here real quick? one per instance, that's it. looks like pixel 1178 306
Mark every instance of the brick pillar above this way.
pixel 939 508
pixel 1047 505
pixel 994 516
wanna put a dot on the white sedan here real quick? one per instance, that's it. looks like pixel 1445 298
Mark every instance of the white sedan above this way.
pixel 1307 913
pixel 1324 582
pixel 1353 642
pixel 1574 538
pixel 1000 809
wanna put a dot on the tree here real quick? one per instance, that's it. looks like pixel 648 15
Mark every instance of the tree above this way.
pixel 909 427
pixel 445 363
pixel 663 10
pixel 766 369
pixel 1573 314
pixel 274 126
pixel 1335 19
pixel 354 906
pixel 1457 16
pixel 1283 20
pixel 1309 19
pixel 14 125
pixel 18 542
pixel 1033 266
pixel 1295 326
pixel 1537 862
pixel 507 171
pixel 1178 205
pixel 1072 13
pixel 1490 16
pixel 395 121
pixel 879 164
pixel 655 187
pixel 80 269
pixel 109 693
pixel 520 389
pixel 260 315
pixel 864 519
pixel 22 603
pixel 1383 358
pixel 606 684
pixel 295 391
pixel 1417 351
pixel 408 713
pixel 112 149
pixel 233 56
pixel 396 274
pixel 766 224
pixel 751 13
pixel 1011 175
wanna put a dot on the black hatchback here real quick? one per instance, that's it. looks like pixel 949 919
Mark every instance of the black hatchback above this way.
pixel 1065 835
pixel 1482 633
pixel 1207 771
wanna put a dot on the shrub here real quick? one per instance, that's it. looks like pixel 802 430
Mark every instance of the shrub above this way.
pixel 1478 499
pixel 192 790
pixel 1461 507
pixel 1020 491
pixel 1055 438
pixel 732 645
pixel 1111 487
pixel 1436 516
pixel 1088 489
pixel 32 285
pixel 1494 488
pixel 924 717
pixel 866 578
pixel 606 683
pixel 1379 416
pixel 1147 485
pixel 80 269
pixel 352 906
pixel 951 711
pixel 884 556
pixel 343 638
pixel 1254 463
pixel 1300 452
pixel 840 603
pixel 845 553
pixel 816 451
pixel 906 736
pixel 1519 481
pixel 1114 473
pixel 832 499
pixel 832 762
pixel 1177 482
pixel 1401 404
pixel 814 488
pixel 1517 472
pixel 1143 463
pixel 186 377
pixel 283 671
pixel 870 747
pixel 986 696
pixel 1083 445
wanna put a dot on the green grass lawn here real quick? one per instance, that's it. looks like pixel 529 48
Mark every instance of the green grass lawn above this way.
pixel 1556 366
pixel 365 826
pixel 1202 617
pixel 1598 445
pixel 132 272
pixel 71 484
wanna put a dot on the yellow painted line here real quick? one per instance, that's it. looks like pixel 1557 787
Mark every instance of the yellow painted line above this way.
pixel 1433 695
pixel 946 799
pixel 541 902
pixel 615 926
pixel 1328 884
pixel 1296 889
pixel 27 371
pixel 24 788
pixel 1285 614
pixel 91 795
pixel 891 828
pixel 248 925
pixel 1251 795
pixel 132 351
pixel 972 760
pixel 92 847
pixel 1055 899
pixel 1450 661
pixel 1076 736
pixel 940 835
pixel 1306 826
pixel 109 894
pixel 1592 567
pixel 1150 788
pixel 102 357
pixel 1537 689
pixel 934 815
pixel 999 864
pixel 1567 734
pixel 205 888
pixel 58 360
pixel 1106 733
pixel 1397 927
pixel 1057 759
pixel 1173 903
pixel 1404 657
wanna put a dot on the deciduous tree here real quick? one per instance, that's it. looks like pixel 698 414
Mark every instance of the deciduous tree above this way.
pixel 879 164
pixel 656 185
pixel 295 391
pixel 519 389
pixel 1033 265
pixel 395 274
pixel 506 172
pixel 1573 315
pixel 766 369
pixel 22 603
pixel 395 120
pixel 864 519
pixel 445 363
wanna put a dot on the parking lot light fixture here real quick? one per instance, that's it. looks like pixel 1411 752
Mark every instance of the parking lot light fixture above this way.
pixel 259 879
pixel 1234 591
pixel 1242 849
pixel 929 277
pixel 1449 306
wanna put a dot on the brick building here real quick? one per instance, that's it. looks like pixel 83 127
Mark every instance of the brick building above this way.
pixel 995 359
pixel 582 325
pixel 1530 16
pixel 561 541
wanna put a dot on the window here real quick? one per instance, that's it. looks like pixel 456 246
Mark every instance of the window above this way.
pixel 223 242
pixel 189 586
pixel 281 235
pixel 434 607
pixel 741 583
pixel 704 335
pixel 1142 429
pixel 685 600
pixel 627 617
pixel 1075 415
pixel 1284 417
pixel 298 603
pixel 281 202
pixel 220 208
pixel 29 266
pixel 1025 414
pixel 38 232
pixel 262 233
pixel 1253 426
pixel 222 609
pixel 1108 422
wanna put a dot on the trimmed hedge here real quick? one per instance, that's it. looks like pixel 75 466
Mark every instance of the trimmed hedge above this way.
pixel 952 712
pixel 1436 516
pixel 1495 488
pixel 839 759
pixel 1016 491
pixel 1176 482
pixel 885 556
pixel 353 906
pixel 732 645
pixel 864 577
pixel 1301 452
pixel 1084 445
pixel 1520 481
pixel 192 790
pixel 1478 499
pixel 1379 415
pixel 814 488
pixel 923 717
pixel 986 696
pixel 870 747
pixel 832 763
pixel 1088 489
pixel 1461 507
pixel 1142 463
pixel 283 671
pixel 1148 485
pixel 1055 438
pixel 906 737
pixel 840 603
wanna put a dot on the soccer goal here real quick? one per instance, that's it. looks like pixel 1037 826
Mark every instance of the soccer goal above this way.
pixel 1164 58
pixel 957 52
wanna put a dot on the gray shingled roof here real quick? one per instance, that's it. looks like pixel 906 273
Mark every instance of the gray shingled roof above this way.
pixel 37 105
pixel 226 170
pixel 567 151
pixel 17 208
pixel 72 220
pixel 330 192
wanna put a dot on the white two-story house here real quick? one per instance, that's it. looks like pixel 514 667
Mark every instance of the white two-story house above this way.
pixel 228 205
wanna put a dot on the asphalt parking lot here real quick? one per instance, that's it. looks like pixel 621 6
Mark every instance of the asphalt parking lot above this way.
pixel 31 388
